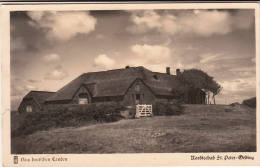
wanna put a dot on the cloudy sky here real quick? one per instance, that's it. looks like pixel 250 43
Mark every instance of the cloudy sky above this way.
pixel 49 49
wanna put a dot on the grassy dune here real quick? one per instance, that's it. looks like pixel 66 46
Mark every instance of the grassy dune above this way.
pixel 202 128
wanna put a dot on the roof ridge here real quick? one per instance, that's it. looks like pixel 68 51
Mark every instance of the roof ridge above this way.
pixel 163 73
pixel 41 91
pixel 114 70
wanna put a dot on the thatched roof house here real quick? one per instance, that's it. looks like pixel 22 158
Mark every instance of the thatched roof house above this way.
pixel 34 101
pixel 129 86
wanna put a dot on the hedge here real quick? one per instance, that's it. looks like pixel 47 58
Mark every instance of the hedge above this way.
pixel 250 102
pixel 73 116
pixel 167 108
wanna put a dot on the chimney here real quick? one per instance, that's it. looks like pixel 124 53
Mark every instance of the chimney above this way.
pixel 168 70
pixel 178 72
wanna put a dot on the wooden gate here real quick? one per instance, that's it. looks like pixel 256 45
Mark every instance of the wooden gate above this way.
pixel 144 110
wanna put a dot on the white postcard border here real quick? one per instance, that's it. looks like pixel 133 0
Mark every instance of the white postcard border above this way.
pixel 162 159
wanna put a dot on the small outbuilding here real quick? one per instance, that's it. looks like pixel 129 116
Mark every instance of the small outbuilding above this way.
pixel 34 101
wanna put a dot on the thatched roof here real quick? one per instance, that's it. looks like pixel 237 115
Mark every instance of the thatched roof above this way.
pixel 116 82
pixel 38 96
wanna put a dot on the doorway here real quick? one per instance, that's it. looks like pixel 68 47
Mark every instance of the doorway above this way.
pixel 137 98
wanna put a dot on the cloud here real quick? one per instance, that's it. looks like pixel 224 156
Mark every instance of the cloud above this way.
pixel 147 55
pixel 235 66
pixel 100 36
pixel 19 88
pixel 33 81
pixel 63 25
pixel 213 57
pixel 51 57
pixel 239 86
pixel 145 20
pixel 242 69
pixel 17 44
pixel 30 87
pixel 58 73
pixel 36 15
pixel 237 90
pixel 244 72
pixel 201 22
pixel 243 19
pixel 23 87
pixel 154 54
pixel 104 61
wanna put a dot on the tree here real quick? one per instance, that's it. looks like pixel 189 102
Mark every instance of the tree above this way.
pixel 195 78
pixel 215 88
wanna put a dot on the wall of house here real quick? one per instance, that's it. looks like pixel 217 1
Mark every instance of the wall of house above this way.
pixel 195 96
pixel 26 102
pixel 107 99
pixel 146 96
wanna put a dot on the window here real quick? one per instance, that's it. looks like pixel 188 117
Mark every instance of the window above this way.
pixel 83 101
pixel 83 98
pixel 137 88
pixel 29 108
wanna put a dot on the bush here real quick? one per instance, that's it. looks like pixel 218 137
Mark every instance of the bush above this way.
pixel 73 115
pixel 234 104
pixel 129 112
pixel 250 102
pixel 167 108
pixel 132 113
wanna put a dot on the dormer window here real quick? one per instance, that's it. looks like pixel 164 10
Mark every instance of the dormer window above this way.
pixel 83 98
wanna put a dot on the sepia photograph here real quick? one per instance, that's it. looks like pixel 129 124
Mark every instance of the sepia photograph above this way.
pixel 133 81
pixel 130 84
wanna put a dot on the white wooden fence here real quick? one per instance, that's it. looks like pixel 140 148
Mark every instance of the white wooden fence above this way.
pixel 144 110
